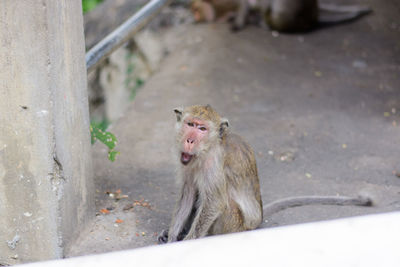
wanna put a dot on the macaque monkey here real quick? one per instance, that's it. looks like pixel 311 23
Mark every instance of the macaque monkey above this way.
pixel 279 15
pixel 220 190
pixel 214 10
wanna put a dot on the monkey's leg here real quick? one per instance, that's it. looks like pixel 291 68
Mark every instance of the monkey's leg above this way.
pixel 241 15
pixel 183 211
pixel 330 13
pixel 230 221
pixel 206 215
pixel 188 224
pixel 265 7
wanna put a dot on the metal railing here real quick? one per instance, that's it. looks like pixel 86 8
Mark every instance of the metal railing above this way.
pixel 123 33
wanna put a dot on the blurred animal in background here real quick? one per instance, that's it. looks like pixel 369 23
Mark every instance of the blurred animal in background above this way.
pixel 214 10
pixel 279 15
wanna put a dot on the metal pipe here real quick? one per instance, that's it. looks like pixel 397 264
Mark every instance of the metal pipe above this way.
pixel 123 33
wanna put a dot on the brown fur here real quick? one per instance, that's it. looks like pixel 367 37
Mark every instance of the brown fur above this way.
pixel 213 10
pixel 220 183
pixel 206 113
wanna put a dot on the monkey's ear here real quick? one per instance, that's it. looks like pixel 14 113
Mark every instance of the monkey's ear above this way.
pixel 178 113
pixel 223 126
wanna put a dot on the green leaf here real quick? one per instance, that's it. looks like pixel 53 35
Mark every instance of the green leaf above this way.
pixel 103 125
pixel 130 69
pixel 138 83
pixel 106 138
pixel 88 5
pixel 112 154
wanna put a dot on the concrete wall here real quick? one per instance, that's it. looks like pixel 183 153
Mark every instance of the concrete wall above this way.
pixel 46 186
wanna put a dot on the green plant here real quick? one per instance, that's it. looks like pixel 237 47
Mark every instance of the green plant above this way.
pixel 138 83
pixel 132 83
pixel 88 5
pixel 98 132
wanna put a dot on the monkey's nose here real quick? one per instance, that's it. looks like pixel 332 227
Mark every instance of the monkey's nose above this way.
pixel 190 140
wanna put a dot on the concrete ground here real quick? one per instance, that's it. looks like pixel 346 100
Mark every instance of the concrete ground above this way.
pixel 321 110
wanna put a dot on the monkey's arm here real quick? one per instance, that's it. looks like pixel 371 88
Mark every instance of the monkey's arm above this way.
pixel 291 202
pixel 207 213
pixel 182 212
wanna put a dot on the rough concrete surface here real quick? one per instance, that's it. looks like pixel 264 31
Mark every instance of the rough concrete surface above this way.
pixel 321 111
pixel 46 183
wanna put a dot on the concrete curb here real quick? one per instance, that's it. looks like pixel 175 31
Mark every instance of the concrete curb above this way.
pixel 360 241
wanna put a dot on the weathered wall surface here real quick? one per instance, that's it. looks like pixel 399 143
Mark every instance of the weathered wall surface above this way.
pixel 114 84
pixel 46 187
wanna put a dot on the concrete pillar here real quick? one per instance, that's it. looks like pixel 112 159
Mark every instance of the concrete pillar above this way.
pixel 46 183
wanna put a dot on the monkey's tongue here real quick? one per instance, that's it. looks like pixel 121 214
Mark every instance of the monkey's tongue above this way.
pixel 185 158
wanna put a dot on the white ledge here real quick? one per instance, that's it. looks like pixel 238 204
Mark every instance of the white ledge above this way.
pixel 372 240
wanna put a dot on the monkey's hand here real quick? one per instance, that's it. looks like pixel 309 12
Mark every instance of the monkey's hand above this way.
pixel 163 237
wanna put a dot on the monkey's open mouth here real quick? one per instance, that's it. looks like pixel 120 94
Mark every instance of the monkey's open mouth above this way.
pixel 185 158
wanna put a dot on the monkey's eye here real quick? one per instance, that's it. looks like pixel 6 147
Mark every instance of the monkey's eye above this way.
pixel 202 128
pixel 190 124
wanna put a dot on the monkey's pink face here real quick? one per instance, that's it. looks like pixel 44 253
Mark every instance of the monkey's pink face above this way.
pixel 194 132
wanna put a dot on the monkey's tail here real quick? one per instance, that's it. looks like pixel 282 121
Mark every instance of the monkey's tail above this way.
pixel 291 202
pixel 332 14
